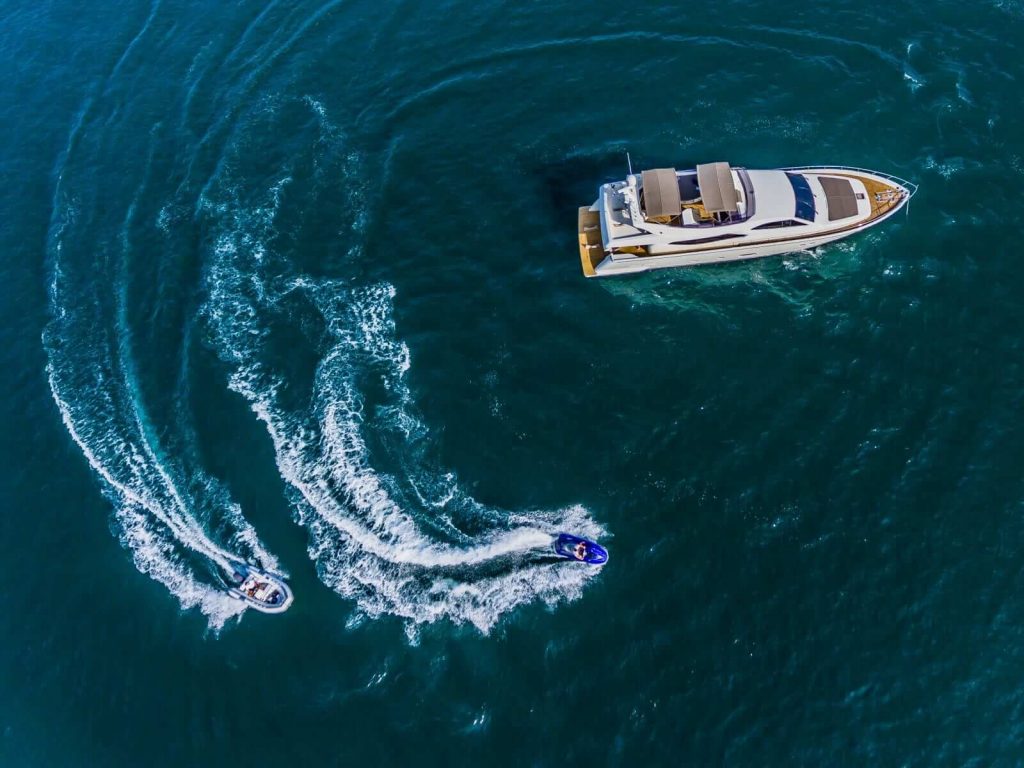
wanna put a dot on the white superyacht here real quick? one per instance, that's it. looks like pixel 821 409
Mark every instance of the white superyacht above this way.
pixel 715 213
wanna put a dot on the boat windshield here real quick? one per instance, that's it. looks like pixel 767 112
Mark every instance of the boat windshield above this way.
pixel 804 196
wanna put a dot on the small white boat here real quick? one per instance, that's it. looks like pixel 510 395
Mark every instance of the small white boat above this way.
pixel 715 213
pixel 258 589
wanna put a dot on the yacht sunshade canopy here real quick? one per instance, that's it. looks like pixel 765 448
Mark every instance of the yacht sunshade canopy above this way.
pixel 717 191
pixel 661 193
pixel 842 202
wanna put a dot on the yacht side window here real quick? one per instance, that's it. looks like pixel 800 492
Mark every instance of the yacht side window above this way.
pixel 780 224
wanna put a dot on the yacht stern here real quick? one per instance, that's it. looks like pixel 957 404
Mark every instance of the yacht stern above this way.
pixel 588 227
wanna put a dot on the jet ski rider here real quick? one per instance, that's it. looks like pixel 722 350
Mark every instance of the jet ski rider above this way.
pixel 580 551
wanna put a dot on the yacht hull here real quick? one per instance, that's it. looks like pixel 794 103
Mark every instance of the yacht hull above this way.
pixel 623 266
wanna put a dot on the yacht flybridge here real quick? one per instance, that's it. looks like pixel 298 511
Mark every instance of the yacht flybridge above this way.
pixel 714 213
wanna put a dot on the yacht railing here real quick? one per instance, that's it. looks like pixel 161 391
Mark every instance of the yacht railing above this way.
pixel 910 186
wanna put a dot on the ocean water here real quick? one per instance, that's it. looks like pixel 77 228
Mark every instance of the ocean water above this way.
pixel 297 283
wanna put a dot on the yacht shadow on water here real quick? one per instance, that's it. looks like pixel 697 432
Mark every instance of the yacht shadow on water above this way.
pixel 570 179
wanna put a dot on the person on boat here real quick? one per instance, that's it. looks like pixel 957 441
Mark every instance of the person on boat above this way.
pixel 580 551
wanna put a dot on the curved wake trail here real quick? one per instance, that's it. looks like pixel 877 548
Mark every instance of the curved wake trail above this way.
pixel 371 540
pixel 94 383
pixel 152 516
pixel 404 541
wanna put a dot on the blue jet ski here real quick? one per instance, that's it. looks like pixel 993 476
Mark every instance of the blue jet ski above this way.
pixel 568 546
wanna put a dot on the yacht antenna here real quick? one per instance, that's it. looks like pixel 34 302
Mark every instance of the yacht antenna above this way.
pixel 629 163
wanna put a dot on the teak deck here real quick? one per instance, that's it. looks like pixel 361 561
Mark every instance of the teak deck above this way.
pixel 588 227
pixel 876 189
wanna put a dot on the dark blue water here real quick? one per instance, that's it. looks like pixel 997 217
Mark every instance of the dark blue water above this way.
pixel 297 283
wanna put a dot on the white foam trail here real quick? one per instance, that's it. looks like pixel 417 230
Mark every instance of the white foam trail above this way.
pixel 913 78
pixel 155 556
pixel 92 381
pixel 368 544
pixel 153 552
pixel 183 528
pixel 325 460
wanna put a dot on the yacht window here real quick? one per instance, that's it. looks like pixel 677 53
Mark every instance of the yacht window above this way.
pixel 706 239
pixel 804 197
pixel 780 224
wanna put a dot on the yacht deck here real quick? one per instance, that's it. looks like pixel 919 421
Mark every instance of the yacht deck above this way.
pixel 883 197
pixel 588 227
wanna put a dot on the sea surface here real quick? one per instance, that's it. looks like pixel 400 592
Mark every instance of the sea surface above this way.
pixel 296 283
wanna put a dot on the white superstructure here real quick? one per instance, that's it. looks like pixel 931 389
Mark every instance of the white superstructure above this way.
pixel 713 213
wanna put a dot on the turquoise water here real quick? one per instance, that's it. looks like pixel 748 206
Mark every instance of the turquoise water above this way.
pixel 297 283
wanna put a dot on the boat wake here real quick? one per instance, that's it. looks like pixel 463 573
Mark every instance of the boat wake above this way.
pixel 179 523
pixel 313 350
pixel 408 542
